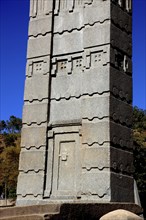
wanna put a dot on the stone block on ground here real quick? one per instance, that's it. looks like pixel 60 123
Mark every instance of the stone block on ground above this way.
pixel 120 214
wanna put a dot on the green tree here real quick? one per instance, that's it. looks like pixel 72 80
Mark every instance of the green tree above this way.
pixel 14 124
pixel 9 154
pixel 139 119
pixel 2 126
pixel 9 161
pixel 9 139
pixel 139 152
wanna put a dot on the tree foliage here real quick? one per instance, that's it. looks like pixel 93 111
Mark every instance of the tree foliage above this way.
pixel 13 125
pixel 139 152
pixel 9 154
pixel 2 126
pixel 139 119
pixel 9 160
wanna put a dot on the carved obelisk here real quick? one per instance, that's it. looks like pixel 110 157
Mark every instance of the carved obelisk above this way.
pixel 76 135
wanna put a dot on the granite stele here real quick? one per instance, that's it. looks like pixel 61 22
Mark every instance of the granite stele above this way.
pixel 76 136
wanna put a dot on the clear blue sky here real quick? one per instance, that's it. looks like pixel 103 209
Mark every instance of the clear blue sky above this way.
pixel 13 44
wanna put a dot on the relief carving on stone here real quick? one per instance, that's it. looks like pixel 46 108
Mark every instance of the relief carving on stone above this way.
pixel 40 7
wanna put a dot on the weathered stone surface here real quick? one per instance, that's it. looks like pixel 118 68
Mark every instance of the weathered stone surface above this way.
pixel 125 42
pixel 93 107
pixel 86 37
pixel 77 111
pixel 98 132
pixel 120 215
pixel 62 43
pixel 38 66
pixel 33 136
pixel 66 86
pixel 67 111
pixel 49 167
pixel 121 135
pixel 94 82
pixel 100 12
pixel 29 199
pixel 82 17
pixel 95 158
pixel 25 211
pixel 66 172
pixel 120 112
pixel 136 194
pixel 96 183
pixel 68 22
pixel 122 187
pixel 40 26
pixel 121 18
pixel 40 8
pixel 36 97
pixel 32 160
pixel 40 46
pixel 95 132
pixel 121 85
pixel 100 157
pixel 90 58
pixel 76 210
pixel 90 38
pixel 89 83
pixel 35 113
pixel 34 189
pixel 118 164
pixel 121 61
pixel 36 88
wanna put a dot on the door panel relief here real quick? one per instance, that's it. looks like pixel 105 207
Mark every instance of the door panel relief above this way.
pixel 66 170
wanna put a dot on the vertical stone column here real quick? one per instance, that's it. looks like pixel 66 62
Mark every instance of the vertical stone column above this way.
pixel 95 183
pixel 91 89
pixel 36 101
pixel 64 142
pixel 122 185
pixel 79 135
pixel 107 115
